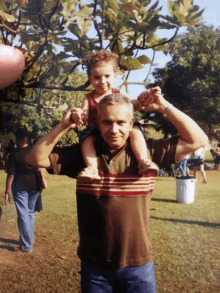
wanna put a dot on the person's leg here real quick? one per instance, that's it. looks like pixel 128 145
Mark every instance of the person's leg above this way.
pixel 183 165
pixel 32 199
pixel 137 279
pixel 139 148
pixel 195 168
pixel 21 203
pixel 201 168
pixel 96 280
pixel 187 171
pixel 90 158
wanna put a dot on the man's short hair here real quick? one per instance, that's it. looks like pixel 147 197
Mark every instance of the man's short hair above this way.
pixel 21 134
pixel 116 99
pixel 101 56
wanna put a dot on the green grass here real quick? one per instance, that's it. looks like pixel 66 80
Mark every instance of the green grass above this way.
pixel 185 240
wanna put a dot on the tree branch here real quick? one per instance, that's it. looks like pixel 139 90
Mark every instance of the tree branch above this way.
pixel 38 84
pixel 145 80
pixel 96 25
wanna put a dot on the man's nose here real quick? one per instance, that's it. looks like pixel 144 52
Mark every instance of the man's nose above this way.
pixel 114 128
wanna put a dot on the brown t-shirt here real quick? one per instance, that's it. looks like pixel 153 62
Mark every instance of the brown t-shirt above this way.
pixel 113 214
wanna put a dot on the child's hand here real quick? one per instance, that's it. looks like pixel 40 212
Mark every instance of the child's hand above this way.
pixel 151 99
pixel 85 117
pixel 77 116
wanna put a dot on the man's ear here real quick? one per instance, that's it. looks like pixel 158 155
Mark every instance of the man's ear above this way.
pixel 132 122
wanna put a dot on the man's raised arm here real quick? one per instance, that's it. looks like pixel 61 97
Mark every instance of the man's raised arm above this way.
pixel 192 136
pixel 39 154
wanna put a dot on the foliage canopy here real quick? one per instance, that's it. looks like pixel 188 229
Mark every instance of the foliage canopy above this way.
pixel 191 78
pixel 56 35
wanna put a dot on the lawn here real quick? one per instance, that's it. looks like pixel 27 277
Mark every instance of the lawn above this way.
pixel 185 239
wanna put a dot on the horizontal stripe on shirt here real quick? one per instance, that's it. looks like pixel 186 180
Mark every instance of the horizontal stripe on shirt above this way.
pixel 118 185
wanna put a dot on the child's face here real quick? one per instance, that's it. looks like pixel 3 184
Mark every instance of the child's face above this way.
pixel 102 77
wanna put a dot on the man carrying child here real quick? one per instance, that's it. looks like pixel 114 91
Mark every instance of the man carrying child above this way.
pixel 113 213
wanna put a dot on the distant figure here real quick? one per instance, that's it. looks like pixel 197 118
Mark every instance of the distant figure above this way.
pixel 23 180
pixel 216 157
pixel 217 149
pixel 182 165
pixel 197 159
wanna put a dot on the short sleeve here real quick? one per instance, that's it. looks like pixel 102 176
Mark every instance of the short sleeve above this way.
pixel 67 161
pixel 163 151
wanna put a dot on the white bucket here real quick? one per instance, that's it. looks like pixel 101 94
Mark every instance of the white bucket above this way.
pixel 185 189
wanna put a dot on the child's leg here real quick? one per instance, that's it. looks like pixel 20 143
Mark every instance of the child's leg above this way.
pixel 90 158
pixel 139 148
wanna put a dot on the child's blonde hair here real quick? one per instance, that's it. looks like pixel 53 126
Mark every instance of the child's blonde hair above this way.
pixel 101 56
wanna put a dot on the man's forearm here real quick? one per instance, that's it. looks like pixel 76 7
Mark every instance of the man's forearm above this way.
pixel 39 154
pixel 191 135
pixel 9 180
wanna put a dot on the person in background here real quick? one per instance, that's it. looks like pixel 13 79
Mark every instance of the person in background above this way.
pixel 197 159
pixel 182 165
pixel 216 157
pixel 24 181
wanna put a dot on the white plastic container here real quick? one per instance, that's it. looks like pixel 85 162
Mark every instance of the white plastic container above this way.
pixel 185 189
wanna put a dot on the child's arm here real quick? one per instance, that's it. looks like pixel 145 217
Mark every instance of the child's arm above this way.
pixel 139 148
pixel 85 109
pixel 80 115
pixel 136 103
pixel 76 116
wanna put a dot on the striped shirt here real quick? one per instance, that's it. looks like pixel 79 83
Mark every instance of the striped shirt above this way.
pixel 113 214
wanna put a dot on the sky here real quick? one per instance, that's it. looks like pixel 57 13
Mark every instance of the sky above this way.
pixel 211 16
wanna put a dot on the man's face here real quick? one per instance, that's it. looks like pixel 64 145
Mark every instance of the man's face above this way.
pixel 115 124
pixel 102 77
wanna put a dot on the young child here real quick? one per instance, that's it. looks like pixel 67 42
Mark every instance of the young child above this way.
pixel 102 69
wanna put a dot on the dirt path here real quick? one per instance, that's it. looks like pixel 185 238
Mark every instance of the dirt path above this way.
pixel 8 234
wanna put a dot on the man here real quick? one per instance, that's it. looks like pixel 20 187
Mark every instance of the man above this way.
pixel 25 183
pixel 113 215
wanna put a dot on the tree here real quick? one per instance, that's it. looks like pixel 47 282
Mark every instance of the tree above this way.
pixel 56 35
pixel 39 119
pixel 191 79
pixel 40 27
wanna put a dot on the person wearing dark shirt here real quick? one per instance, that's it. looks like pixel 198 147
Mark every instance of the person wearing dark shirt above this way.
pixel 24 181
pixel 113 213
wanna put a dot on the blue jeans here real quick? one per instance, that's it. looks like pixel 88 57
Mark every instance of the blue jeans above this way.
pixel 25 201
pixel 182 167
pixel 127 280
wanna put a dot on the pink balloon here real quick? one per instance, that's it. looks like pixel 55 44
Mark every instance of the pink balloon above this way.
pixel 12 64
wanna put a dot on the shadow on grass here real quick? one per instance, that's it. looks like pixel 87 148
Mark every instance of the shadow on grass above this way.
pixel 164 200
pixel 10 248
pixel 11 241
pixel 203 224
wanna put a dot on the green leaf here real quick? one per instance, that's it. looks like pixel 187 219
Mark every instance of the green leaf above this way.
pixel 131 64
pixel 180 17
pixel 7 17
pixel 144 59
pixel 85 27
pixel 74 29
pixel 112 4
pixel 161 48
pixel 129 7
pixel 85 11
pixel 171 5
